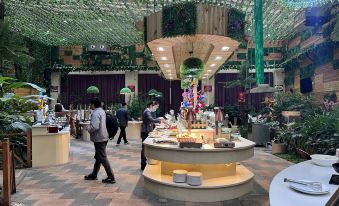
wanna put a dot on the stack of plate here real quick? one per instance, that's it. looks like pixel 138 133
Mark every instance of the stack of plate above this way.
pixel 194 178
pixel 179 176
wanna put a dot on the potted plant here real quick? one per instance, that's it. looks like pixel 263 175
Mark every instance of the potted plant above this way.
pixel 278 147
pixel 278 144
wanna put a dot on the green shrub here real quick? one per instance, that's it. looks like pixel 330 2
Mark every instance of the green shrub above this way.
pixel 317 134
pixel 294 102
pixel 137 105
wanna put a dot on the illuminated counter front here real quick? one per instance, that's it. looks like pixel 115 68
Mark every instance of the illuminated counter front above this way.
pixel 49 149
pixel 223 178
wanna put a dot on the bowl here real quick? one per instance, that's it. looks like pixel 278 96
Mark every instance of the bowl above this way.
pixel 336 166
pixel 324 160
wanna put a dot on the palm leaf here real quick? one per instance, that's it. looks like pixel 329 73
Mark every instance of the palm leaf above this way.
pixel 17 85
pixel 21 126
pixel 7 96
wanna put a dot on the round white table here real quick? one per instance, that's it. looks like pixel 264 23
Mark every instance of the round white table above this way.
pixel 282 195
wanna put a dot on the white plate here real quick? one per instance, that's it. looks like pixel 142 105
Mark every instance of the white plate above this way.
pixel 324 160
pixel 308 190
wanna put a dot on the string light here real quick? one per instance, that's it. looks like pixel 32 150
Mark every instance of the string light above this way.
pixel 113 22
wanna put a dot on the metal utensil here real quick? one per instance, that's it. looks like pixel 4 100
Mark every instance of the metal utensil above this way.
pixel 316 186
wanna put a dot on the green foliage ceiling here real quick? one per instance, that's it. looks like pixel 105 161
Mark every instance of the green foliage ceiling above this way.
pixel 80 22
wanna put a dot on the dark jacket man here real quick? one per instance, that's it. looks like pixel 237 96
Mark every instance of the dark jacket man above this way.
pixel 122 116
pixel 147 126
pixel 123 123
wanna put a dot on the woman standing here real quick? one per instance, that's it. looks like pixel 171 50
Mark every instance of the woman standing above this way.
pixel 147 126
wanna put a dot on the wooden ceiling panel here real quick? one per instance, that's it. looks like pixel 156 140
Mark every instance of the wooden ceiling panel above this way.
pixel 213 50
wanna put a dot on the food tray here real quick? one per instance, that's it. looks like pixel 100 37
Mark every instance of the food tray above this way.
pixel 190 145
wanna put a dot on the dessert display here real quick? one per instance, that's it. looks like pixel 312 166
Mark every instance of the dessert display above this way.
pixel 199 124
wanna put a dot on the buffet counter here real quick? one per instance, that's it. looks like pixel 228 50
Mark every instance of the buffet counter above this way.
pixel 222 177
pixel 133 130
pixel 49 148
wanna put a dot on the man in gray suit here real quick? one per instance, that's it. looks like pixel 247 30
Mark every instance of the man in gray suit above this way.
pixel 122 116
pixel 99 135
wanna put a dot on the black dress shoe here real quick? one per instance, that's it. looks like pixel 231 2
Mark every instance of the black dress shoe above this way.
pixel 108 180
pixel 90 177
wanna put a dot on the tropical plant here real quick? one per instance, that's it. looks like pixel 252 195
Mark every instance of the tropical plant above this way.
pixel 231 110
pixel 137 105
pixel 12 48
pixel 321 133
pixel 244 131
pixel 244 81
pixel 315 134
pixel 294 102
pixel 13 108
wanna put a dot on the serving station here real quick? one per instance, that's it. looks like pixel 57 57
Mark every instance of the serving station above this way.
pixel 49 148
pixel 221 176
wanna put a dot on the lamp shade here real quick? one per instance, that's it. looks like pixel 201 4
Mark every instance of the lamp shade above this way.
pixel 125 90
pixel 152 92
pixel 159 94
pixel 92 90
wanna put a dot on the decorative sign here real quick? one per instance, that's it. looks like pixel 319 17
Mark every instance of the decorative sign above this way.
pixel 131 87
pixel 208 88
pixel 54 89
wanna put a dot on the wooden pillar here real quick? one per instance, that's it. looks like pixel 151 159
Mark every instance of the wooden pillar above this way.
pixel 6 190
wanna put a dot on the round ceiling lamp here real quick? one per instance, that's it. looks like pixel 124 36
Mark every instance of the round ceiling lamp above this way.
pixel 92 90
pixel 125 90
pixel 298 4
pixel 152 92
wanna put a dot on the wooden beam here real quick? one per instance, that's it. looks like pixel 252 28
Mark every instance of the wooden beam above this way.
pixel 6 190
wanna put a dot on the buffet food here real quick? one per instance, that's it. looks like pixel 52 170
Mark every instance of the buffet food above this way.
pixel 172 133
pixel 166 141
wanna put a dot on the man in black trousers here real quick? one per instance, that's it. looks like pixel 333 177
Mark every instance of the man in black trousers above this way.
pixel 99 135
pixel 122 116
pixel 147 126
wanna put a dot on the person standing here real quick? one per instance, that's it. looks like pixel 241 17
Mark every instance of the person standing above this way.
pixel 99 135
pixel 154 109
pixel 58 107
pixel 147 126
pixel 122 116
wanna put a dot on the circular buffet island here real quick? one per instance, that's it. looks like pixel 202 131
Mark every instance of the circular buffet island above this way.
pixel 223 177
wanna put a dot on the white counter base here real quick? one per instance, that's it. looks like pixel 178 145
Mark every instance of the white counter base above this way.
pixel 49 149
pixel 212 190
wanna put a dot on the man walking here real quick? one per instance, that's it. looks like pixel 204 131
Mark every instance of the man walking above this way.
pixel 99 135
pixel 123 122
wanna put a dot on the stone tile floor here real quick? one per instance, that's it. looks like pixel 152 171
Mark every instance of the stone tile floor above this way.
pixel 64 185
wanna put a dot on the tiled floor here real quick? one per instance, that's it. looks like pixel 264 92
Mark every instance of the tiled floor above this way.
pixel 64 185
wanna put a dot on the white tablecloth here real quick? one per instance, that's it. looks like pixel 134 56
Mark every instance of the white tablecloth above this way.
pixel 281 195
